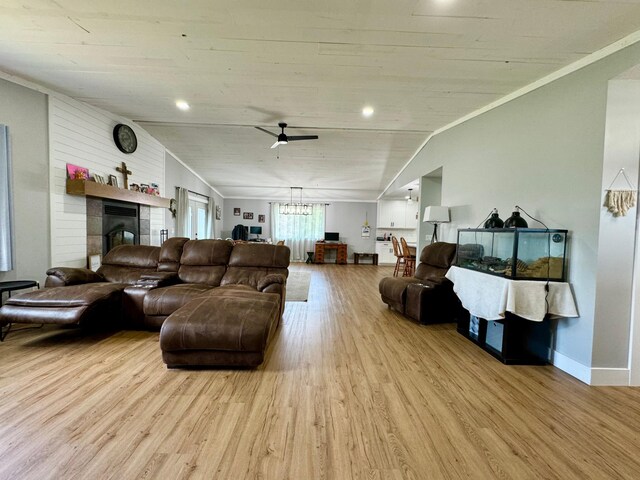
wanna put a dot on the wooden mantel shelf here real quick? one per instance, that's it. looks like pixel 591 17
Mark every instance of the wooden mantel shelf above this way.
pixel 101 190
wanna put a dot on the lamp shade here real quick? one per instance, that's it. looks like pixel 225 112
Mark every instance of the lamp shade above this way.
pixel 436 214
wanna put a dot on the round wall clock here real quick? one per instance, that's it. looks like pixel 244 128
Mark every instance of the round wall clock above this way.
pixel 125 138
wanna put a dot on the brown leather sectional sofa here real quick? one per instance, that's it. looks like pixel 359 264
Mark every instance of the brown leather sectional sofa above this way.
pixel 216 303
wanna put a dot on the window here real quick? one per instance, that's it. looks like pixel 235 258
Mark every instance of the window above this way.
pixel 299 232
pixel 197 218
pixel 6 252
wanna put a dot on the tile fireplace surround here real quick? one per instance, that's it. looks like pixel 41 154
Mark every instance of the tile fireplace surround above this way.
pixel 94 225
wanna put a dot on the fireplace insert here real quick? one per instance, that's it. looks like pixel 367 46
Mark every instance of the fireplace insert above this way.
pixel 120 224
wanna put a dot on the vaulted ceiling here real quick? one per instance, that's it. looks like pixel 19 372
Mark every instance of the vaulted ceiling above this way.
pixel 419 63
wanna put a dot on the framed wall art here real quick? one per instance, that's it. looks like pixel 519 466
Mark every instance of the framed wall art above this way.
pixel 77 173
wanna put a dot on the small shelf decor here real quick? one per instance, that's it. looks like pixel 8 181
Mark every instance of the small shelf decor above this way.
pixel 100 190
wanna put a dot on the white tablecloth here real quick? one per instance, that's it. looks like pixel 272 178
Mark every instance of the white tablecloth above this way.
pixel 489 296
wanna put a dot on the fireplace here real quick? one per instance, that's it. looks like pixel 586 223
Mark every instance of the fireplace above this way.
pixel 135 229
pixel 120 224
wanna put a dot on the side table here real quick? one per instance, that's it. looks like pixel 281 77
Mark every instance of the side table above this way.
pixel 9 287
pixel 357 256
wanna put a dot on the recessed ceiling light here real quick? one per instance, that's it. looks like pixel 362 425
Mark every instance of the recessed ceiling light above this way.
pixel 182 105
pixel 367 111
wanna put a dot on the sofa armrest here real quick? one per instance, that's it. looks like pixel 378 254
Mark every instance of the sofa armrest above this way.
pixel 437 281
pixel 271 279
pixel 157 279
pixel 65 276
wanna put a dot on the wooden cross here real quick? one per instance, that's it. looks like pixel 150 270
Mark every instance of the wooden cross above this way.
pixel 125 173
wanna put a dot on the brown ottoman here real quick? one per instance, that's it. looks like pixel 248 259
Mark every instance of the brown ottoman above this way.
pixel 220 330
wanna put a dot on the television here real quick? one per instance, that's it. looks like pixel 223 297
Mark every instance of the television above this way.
pixel 331 237
pixel 255 230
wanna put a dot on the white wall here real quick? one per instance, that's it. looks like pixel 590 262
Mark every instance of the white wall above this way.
pixel 544 152
pixel 176 175
pixel 430 194
pixel 83 135
pixel 24 111
pixel 257 207
pixel 347 218
pixel 616 237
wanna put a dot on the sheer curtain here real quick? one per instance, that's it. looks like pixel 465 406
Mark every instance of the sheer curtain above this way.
pixel 211 218
pixel 299 232
pixel 6 250
pixel 182 212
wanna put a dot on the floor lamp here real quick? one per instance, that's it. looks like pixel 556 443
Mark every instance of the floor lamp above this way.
pixel 435 215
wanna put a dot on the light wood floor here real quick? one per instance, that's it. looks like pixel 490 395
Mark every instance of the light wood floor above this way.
pixel 350 389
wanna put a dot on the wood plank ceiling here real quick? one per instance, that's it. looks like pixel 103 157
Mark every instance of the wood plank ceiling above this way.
pixel 419 63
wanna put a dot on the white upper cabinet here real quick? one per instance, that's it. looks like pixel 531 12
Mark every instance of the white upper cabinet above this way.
pixel 397 214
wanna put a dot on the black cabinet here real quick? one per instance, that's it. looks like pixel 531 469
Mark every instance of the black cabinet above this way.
pixel 513 341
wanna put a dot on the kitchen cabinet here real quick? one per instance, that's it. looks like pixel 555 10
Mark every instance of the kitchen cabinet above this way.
pixel 397 214
pixel 411 215
pixel 385 253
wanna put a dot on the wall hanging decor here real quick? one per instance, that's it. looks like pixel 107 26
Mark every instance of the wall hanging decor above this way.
pixel 620 201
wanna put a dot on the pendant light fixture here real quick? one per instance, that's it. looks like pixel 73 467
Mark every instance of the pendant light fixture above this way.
pixel 297 208
pixel 409 199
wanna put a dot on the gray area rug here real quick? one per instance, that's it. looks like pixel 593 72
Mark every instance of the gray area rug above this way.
pixel 298 286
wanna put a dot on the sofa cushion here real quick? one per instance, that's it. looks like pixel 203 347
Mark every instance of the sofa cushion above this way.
pixel 125 263
pixel 170 253
pixel 251 262
pixel 439 254
pixel 204 261
pixel 166 300
pixel 435 260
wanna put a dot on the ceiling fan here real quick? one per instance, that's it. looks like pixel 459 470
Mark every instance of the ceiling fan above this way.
pixel 283 138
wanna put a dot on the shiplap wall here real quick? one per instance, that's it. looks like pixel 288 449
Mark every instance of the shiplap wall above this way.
pixel 83 135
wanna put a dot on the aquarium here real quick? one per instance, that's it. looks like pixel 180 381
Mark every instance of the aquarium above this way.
pixel 515 253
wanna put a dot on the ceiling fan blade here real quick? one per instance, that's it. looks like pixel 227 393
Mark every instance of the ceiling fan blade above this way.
pixel 302 137
pixel 267 131
pixel 275 145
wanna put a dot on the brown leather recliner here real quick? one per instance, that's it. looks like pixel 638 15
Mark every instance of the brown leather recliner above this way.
pixel 428 296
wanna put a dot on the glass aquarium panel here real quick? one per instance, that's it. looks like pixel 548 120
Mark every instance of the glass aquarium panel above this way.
pixel 517 253
pixel 541 254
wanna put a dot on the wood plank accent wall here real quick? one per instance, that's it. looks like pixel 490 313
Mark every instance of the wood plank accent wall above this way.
pixel 82 135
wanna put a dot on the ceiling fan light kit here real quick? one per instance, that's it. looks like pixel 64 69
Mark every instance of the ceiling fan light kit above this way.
pixel 283 138
pixel 297 208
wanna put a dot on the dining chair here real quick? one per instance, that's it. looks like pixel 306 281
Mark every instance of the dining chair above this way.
pixel 398 255
pixel 409 259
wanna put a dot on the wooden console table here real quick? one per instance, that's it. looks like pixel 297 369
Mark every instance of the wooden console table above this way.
pixel 341 252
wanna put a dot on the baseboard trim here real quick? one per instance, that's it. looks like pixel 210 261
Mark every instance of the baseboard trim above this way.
pixel 570 366
pixel 614 377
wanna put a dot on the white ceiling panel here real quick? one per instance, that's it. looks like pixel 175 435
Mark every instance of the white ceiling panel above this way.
pixel 420 63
